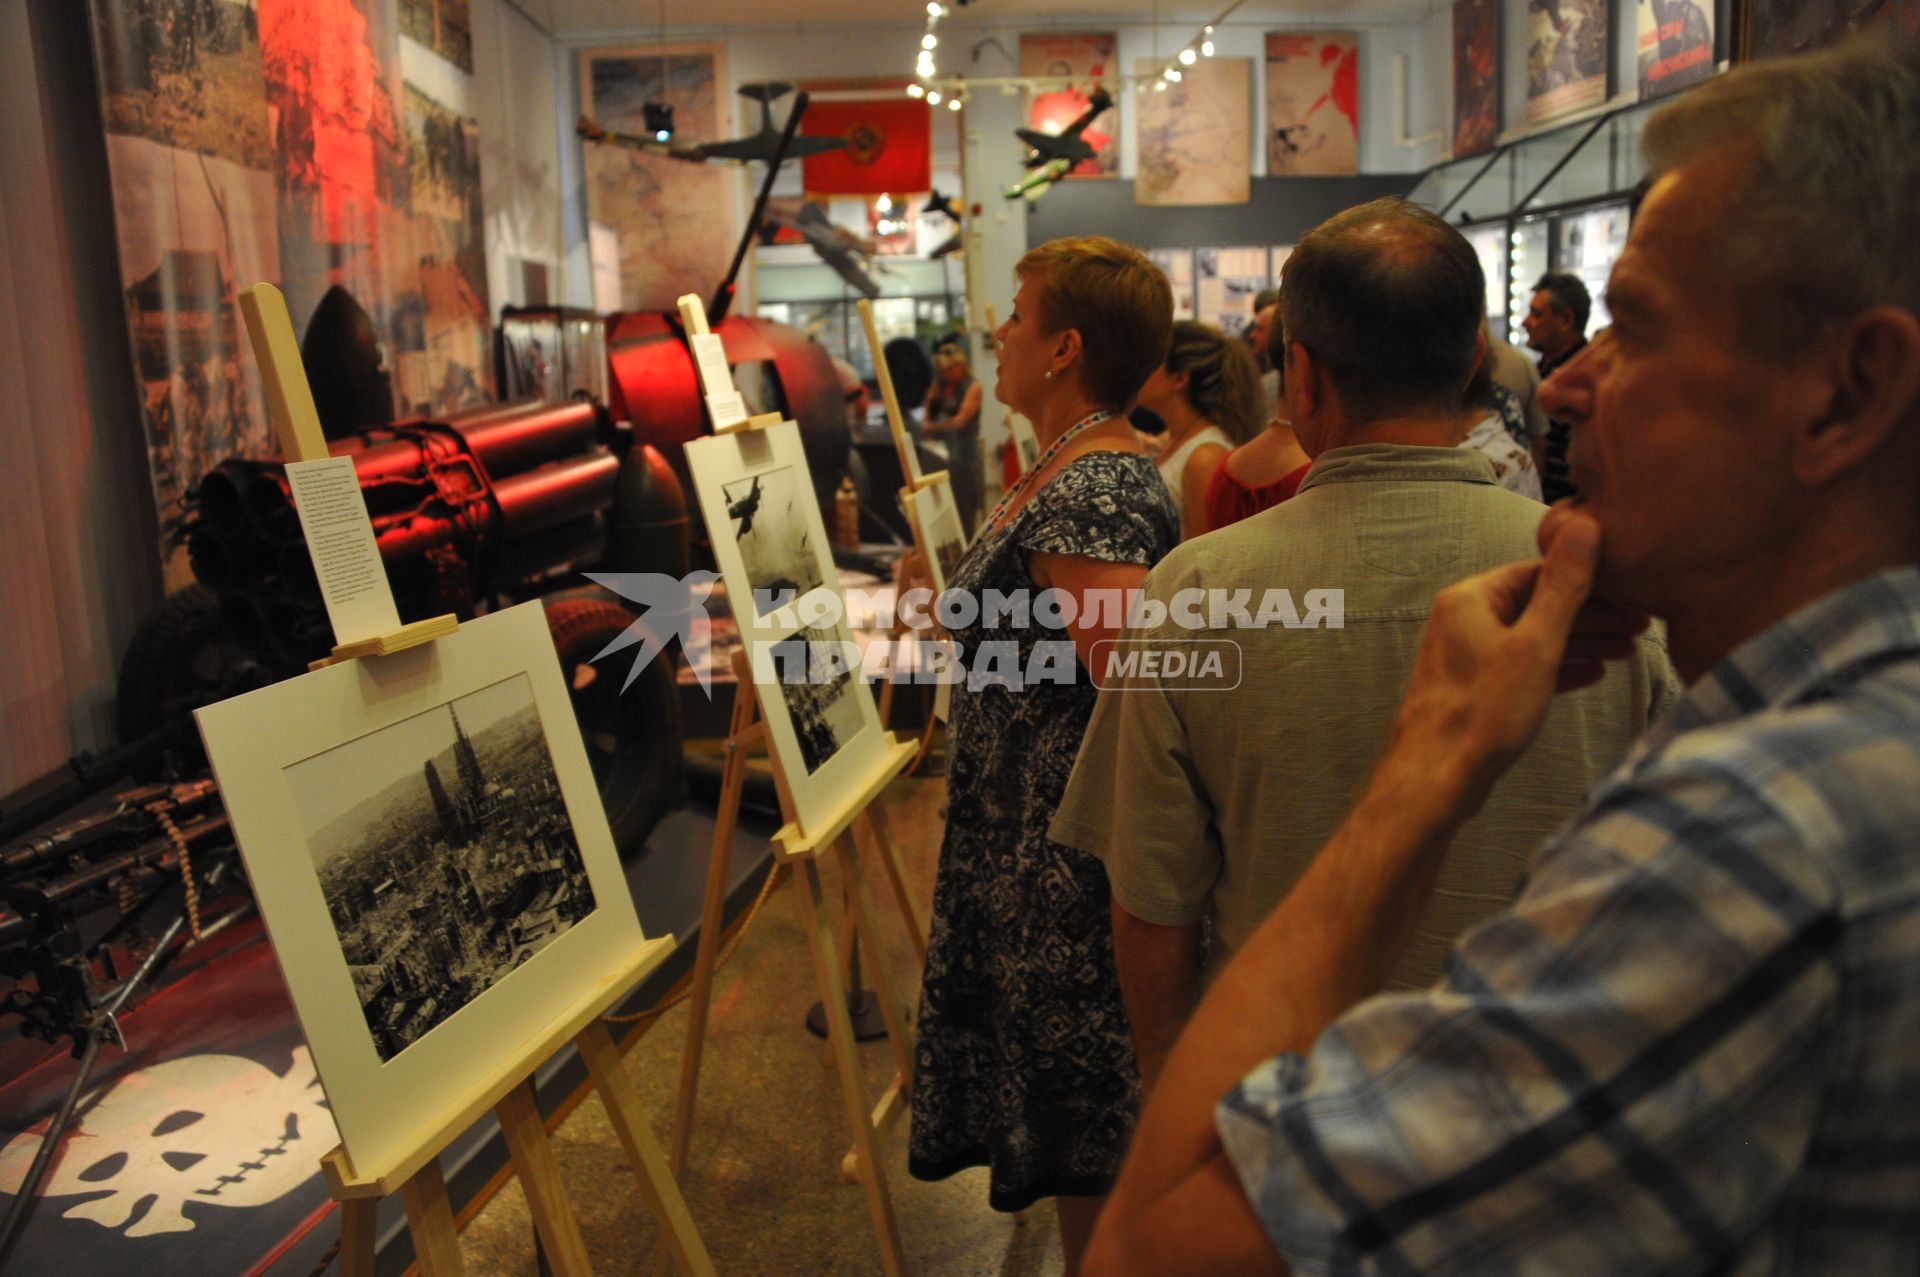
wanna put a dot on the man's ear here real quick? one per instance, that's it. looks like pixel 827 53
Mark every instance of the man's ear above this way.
pixel 1304 379
pixel 1871 377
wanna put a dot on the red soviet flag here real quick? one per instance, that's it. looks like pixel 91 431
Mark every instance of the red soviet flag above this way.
pixel 887 147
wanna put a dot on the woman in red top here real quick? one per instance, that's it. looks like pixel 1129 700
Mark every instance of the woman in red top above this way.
pixel 1265 470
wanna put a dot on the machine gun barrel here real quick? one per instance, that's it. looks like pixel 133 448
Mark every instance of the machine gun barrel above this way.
pixel 103 871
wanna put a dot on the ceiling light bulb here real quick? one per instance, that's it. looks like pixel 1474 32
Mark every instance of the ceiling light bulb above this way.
pixel 953 104
pixel 1159 86
pixel 933 97
pixel 1173 76
pixel 1207 30
pixel 1187 57
pixel 933 9
pixel 929 41
pixel 1206 48
pixel 915 91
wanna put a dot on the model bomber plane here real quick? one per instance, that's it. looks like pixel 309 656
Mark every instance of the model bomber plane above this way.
pixel 758 146
pixel 1053 155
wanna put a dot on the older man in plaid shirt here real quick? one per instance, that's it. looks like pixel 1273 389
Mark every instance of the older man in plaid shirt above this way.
pixel 1693 1044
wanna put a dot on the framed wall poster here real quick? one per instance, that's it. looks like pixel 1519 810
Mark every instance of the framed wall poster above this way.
pixel 1088 57
pixel 1177 265
pixel 427 846
pixel 1769 28
pixel 1675 44
pixel 1566 56
pixel 1476 75
pixel 938 519
pixel 822 723
pixel 1229 280
pixel 1313 103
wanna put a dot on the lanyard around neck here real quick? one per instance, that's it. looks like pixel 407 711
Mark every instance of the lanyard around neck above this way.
pixel 1073 431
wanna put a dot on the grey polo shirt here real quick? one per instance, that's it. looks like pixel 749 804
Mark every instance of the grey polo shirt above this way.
pixel 1205 801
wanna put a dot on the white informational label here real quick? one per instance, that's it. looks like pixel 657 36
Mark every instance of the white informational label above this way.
pixel 727 409
pixel 346 558
pixel 711 358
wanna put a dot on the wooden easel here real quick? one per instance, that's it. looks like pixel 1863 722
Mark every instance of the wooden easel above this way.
pixel 509 1093
pixel 507 1089
pixel 803 851
pixel 910 468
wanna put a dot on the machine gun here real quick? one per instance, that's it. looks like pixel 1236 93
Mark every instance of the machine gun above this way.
pixel 501 504
pixel 86 897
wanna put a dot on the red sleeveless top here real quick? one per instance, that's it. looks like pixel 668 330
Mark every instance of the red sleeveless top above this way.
pixel 1229 500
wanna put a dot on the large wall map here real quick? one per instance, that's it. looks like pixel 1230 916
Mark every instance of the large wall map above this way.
pixel 672 219
pixel 1196 137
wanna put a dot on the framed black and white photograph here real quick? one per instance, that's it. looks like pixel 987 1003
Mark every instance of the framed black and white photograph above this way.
pixel 825 734
pixel 938 520
pixel 429 851
pixel 819 672
pixel 766 515
pixel 445 854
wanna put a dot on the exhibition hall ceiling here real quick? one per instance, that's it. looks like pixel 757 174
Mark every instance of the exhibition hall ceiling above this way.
pixel 579 18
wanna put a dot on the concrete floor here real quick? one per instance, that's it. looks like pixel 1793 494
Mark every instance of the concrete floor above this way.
pixel 762 1177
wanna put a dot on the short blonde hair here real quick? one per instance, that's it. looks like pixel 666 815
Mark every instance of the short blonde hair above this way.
pixel 1118 301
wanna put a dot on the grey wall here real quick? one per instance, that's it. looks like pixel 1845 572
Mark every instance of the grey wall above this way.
pixel 1281 211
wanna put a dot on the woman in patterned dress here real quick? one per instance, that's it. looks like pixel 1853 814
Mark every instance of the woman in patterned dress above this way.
pixel 1024 1062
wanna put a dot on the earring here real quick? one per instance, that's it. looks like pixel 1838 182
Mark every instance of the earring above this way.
pixel 1048 374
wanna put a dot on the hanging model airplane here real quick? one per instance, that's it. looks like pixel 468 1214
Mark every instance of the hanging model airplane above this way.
pixel 757 146
pixel 835 246
pixel 938 203
pixel 1053 155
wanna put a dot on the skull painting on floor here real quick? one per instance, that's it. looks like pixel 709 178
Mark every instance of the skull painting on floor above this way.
pixel 214 1129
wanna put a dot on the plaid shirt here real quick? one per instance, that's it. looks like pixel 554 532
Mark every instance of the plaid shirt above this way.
pixel 1693 1044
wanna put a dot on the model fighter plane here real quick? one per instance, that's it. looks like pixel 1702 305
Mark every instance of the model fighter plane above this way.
pixel 938 203
pixel 757 146
pixel 1053 155
pixel 745 508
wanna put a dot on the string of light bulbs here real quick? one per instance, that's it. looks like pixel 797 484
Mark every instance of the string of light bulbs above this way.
pixel 928 84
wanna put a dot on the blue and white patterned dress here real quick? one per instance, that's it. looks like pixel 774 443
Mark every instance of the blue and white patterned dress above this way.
pixel 1025 1061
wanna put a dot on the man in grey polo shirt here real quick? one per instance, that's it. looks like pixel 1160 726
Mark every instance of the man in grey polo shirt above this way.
pixel 1207 801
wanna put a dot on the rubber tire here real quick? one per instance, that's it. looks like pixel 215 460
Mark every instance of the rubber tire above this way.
pixel 179 659
pixel 632 737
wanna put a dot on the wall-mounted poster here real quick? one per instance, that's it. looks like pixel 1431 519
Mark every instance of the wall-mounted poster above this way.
pixel 673 220
pixel 1313 103
pixel 280 143
pixel 1566 56
pixel 1768 28
pixel 1229 280
pixel 1676 44
pixel 427 845
pixel 445 26
pixel 1195 137
pixel 822 723
pixel 1476 75
pixel 451 357
pixel 1088 57
pixel 1177 265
